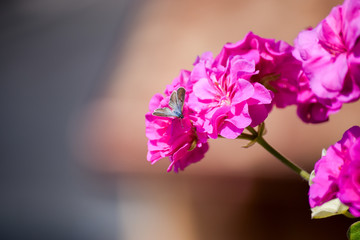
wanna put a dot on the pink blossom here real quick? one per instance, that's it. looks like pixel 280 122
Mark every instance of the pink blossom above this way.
pixel 225 98
pixel 172 137
pixel 349 180
pixel 337 174
pixel 330 54
pixel 278 69
pixel 312 109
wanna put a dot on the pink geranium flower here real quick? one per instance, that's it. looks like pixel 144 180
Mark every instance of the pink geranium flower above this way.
pixel 225 98
pixel 172 137
pixel 337 174
pixel 330 54
pixel 278 70
pixel 349 179
pixel 312 109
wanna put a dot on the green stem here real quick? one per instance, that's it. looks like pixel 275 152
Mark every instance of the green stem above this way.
pixel 246 136
pixel 252 130
pixel 260 140
pixel 304 174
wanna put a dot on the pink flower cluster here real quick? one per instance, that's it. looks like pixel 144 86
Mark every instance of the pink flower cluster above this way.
pixel 238 88
pixel 277 69
pixel 224 95
pixel 330 55
pixel 176 138
pixel 337 174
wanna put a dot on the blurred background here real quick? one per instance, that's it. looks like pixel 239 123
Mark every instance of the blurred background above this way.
pixel 76 79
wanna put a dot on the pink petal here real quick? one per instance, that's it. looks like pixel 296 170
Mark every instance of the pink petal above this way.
pixel 351 15
pixel 241 68
pixel 204 90
pixel 230 131
pixel 328 75
pixel 261 95
pixel 244 91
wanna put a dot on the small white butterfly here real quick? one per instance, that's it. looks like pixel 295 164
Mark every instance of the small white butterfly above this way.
pixel 176 103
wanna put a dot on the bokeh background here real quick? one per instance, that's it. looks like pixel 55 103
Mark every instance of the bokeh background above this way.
pixel 76 79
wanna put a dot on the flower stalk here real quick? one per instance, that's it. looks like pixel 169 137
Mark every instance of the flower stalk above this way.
pixel 257 137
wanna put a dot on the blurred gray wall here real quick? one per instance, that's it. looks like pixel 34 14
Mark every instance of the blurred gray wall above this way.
pixel 55 55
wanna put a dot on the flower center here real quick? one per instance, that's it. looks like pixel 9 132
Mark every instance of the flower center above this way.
pixel 224 100
pixel 223 96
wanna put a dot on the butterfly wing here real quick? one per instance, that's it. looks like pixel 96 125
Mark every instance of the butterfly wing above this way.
pixel 176 101
pixel 180 98
pixel 173 100
pixel 164 112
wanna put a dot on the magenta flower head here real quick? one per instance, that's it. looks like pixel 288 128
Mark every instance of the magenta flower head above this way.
pixel 226 100
pixel 278 70
pixel 349 179
pixel 337 174
pixel 171 130
pixel 312 109
pixel 330 54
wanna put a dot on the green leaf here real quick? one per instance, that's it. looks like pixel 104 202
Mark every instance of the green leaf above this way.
pixel 250 144
pixel 354 231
